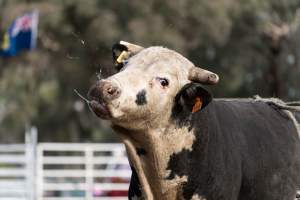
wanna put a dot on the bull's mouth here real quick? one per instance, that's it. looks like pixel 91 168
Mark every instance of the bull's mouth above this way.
pixel 100 109
pixel 97 103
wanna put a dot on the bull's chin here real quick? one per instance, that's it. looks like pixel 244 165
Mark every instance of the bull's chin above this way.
pixel 100 109
pixel 127 124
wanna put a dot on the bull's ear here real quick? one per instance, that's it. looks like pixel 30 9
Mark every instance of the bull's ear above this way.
pixel 122 51
pixel 191 98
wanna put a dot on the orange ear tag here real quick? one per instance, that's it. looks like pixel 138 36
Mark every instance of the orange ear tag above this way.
pixel 197 105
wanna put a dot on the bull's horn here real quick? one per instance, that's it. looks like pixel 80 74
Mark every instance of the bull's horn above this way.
pixel 132 48
pixel 203 76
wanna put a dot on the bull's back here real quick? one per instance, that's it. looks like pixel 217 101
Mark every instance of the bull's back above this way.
pixel 263 142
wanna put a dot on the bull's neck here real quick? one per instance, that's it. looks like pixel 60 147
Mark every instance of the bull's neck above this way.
pixel 158 145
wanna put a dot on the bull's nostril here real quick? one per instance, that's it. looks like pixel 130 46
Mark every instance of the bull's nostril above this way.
pixel 108 90
pixel 111 90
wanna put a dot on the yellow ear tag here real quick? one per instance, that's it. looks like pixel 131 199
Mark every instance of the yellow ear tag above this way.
pixel 124 55
pixel 197 105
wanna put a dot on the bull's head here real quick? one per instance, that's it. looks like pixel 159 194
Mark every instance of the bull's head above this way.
pixel 152 84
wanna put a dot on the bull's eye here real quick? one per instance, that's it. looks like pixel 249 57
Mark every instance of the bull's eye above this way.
pixel 163 81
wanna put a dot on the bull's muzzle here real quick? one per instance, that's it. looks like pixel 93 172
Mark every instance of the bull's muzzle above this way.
pixel 104 91
pixel 100 95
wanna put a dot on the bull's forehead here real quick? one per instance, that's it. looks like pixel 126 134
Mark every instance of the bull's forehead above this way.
pixel 159 58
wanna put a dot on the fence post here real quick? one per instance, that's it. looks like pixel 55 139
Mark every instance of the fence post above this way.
pixel 89 177
pixel 30 151
pixel 39 172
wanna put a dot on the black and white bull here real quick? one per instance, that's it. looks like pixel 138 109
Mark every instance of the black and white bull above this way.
pixel 183 144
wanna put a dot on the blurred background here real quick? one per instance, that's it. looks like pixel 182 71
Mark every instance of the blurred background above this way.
pixel 253 45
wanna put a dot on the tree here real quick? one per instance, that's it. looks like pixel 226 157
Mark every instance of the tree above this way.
pixel 253 46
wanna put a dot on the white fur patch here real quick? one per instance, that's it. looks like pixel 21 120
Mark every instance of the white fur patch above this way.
pixel 160 146
pixel 140 74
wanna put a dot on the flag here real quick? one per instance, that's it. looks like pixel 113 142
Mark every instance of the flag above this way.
pixel 21 34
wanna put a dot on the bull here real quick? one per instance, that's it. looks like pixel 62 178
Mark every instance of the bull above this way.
pixel 184 144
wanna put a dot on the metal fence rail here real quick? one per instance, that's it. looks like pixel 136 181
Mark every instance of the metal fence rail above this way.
pixel 67 171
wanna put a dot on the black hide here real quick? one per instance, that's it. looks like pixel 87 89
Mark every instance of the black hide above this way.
pixel 141 98
pixel 244 150
pixel 134 187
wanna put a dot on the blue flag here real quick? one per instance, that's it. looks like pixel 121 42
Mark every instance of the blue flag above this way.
pixel 21 34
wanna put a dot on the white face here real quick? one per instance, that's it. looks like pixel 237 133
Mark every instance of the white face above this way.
pixel 146 87
pixel 148 82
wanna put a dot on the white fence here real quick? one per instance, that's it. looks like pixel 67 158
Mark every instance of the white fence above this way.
pixel 13 173
pixel 82 171
pixel 17 163
pixel 63 171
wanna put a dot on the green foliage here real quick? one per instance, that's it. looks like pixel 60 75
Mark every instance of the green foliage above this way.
pixel 236 39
